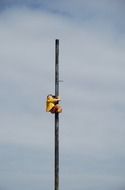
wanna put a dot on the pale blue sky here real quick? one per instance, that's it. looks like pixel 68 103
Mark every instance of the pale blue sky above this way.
pixel 92 66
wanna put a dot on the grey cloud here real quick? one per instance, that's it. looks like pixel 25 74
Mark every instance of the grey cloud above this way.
pixel 21 167
pixel 91 9
pixel 92 124
pixel 96 12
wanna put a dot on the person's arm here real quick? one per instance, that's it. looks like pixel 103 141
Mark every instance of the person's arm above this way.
pixel 58 98
pixel 54 100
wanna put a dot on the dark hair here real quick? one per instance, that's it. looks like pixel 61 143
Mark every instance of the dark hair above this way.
pixel 50 95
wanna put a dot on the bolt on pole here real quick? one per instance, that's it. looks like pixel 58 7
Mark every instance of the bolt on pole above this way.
pixel 56 116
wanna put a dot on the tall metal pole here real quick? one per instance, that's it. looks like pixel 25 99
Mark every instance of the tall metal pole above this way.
pixel 56 116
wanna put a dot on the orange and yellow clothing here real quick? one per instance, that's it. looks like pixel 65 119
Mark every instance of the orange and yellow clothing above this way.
pixel 51 102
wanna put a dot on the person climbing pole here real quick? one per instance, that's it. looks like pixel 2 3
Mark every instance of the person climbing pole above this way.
pixel 52 104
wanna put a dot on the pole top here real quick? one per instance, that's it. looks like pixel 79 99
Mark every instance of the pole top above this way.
pixel 57 40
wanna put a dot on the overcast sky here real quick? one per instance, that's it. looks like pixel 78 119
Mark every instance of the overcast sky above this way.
pixel 92 66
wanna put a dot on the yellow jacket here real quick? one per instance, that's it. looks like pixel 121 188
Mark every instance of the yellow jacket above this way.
pixel 50 103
